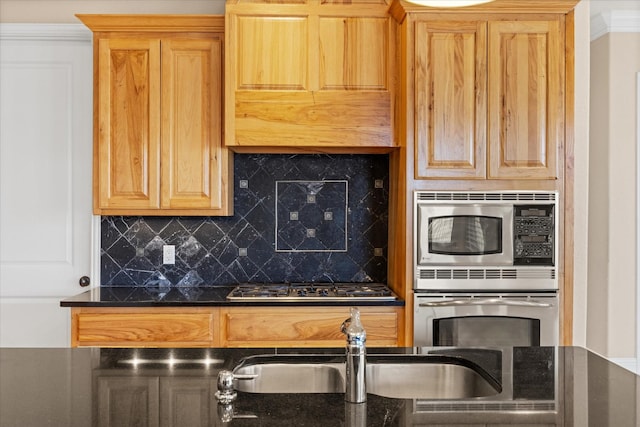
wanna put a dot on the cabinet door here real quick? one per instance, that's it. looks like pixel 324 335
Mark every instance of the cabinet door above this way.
pixel 187 401
pixel 143 327
pixel 300 327
pixel 127 157
pixel 127 401
pixel 309 75
pixel 526 93
pixel 194 163
pixel 450 99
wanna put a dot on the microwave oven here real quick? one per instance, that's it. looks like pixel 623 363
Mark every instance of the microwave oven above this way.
pixel 485 240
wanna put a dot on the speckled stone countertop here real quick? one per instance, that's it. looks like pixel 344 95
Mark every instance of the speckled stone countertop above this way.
pixel 116 296
pixel 543 386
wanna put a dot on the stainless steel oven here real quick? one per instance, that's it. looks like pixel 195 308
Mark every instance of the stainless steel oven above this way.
pixel 485 319
pixel 485 266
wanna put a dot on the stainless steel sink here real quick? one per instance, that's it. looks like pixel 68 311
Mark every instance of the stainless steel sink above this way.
pixel 302 377
pixel 394 376
pixel 427 381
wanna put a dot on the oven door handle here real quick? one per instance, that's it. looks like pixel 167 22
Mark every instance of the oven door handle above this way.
pixel 485 301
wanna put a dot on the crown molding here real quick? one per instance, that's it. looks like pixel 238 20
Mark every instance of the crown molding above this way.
pixel 45 32
pixel 615 21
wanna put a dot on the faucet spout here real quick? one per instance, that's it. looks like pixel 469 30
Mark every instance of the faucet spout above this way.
pixel 356 364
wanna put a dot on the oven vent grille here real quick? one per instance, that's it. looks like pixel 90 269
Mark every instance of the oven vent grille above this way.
pixel 430 406
pixel 497 196
pixel 489 273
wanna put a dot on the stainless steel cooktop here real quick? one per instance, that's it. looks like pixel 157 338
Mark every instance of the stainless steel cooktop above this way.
pixel 311 291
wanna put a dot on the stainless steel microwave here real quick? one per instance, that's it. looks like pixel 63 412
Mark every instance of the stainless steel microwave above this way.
pixel 485 241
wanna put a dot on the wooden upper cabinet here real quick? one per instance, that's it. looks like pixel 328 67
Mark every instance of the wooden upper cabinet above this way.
pixel 450 99
pixel 309 74
pixel 485 91
pixel 526 98
pixel 128 157
pixel 195 165
pixel 158 146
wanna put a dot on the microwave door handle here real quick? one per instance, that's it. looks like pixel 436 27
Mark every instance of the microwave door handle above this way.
pixel 485 301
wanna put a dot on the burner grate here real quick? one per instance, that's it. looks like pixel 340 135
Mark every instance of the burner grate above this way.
pixel 311 291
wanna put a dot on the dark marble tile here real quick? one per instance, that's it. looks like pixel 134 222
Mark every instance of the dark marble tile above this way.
pixel 331 237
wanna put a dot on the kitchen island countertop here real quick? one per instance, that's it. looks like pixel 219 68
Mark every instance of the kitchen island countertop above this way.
pixel 564 386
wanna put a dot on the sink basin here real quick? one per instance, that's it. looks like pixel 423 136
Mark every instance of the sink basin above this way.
pixel 278 377
pixel 394 376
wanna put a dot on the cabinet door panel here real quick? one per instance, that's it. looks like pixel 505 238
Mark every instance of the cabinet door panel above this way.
pixel 127 401
pixel 129 123
pixel 526 75
pixel 271 53
pixel 187 401
pixel 192 153
pixel 141 328
pixel 450 110
pixel 303 327
pixel 353 53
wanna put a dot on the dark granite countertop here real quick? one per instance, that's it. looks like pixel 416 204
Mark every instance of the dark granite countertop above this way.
pixel 542 386
pixel 106 296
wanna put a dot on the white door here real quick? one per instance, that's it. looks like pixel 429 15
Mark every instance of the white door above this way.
pixel 45 179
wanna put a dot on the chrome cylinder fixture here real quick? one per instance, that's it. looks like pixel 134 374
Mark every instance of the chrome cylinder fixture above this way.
pixel 356 363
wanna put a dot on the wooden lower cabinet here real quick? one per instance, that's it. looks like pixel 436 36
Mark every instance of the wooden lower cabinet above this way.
pixel 229 327
pixel 126 401
pixel 186 401
pixel 156 400
pixel 143 327
pixel 305 327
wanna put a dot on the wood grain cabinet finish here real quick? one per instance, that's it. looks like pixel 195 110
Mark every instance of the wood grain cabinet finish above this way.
pixel 228 327
pixel 526 98
pixel 158 116
pixel 305 327
pixel 488 97
pixel 450 99
pixel 143 327
pixel 309 74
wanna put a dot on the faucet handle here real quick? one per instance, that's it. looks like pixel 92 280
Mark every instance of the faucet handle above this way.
pixel 225 394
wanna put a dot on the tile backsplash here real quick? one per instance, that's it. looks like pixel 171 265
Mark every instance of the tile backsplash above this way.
pixel 297 218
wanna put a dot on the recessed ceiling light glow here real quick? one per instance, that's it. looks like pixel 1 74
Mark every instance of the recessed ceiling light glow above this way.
pixel 448 3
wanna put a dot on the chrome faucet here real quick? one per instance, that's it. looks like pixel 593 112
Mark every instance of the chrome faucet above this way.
pixel 356 365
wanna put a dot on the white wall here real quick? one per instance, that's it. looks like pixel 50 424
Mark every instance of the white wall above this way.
pixel 611 322
pixel 581 171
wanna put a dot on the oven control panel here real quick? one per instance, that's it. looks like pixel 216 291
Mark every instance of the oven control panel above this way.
pixel 533 234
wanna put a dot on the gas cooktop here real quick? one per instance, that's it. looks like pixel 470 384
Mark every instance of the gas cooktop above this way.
pixel 311 291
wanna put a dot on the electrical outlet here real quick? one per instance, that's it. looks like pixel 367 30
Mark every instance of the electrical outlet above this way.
pixel 169 254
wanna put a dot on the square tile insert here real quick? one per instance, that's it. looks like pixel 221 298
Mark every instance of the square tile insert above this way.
pixel 311 216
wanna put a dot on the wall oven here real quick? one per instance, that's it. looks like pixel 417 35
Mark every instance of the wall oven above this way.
pixel 485 268
pixel 475 240
pixel 485 319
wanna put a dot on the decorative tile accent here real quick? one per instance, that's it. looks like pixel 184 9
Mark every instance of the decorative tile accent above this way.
pixel 208 249
pixel 311 201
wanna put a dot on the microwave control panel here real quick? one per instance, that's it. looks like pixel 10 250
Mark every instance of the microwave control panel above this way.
pixel 533 234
